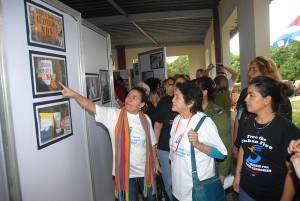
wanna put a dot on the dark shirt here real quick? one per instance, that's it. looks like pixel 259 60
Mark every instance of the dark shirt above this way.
pixel 265 153
pixel 285 109
pixel 163 114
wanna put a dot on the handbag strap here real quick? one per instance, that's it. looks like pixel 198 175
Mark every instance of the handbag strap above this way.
pixel 194 169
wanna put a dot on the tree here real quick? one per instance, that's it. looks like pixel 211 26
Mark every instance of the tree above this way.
pixel 236 65
pixel 287 59
pixel 179 66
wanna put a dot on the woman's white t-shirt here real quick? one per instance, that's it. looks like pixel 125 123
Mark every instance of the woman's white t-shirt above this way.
pixel 109 116
pixel 181 167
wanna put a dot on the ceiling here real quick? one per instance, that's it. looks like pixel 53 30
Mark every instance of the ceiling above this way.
pixel 144 23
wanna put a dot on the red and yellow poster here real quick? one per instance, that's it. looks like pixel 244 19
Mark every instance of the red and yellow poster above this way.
pixel 45 27
pixel 45 24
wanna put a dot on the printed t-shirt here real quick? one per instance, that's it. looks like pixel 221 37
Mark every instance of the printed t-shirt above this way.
pixel 109 116
pixel 265 153
pixel 181 167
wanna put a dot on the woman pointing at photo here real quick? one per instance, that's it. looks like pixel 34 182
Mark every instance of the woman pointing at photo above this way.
pixel 133 143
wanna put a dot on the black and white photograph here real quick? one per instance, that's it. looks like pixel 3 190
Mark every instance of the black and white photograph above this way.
pixel 105 86
pixel 92 86
pixel 157 60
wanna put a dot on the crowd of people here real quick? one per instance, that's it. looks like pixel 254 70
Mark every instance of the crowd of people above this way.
pixel 153 132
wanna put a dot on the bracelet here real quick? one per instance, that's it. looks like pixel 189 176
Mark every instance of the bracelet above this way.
pixel 117 100
pixel 238 171
pixel 202 148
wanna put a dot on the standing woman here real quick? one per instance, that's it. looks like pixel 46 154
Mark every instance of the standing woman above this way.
pixel 263 169
pixel 222 98
pixel 208 145
pixel 133 143
pixel 260 65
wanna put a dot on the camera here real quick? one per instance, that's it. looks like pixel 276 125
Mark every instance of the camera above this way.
pixel 211 66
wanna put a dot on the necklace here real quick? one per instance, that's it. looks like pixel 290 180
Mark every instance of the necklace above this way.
pixel 261 128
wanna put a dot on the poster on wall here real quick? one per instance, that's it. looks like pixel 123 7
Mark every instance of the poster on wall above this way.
pixel 146 75
pixel 45 27
pixel 53 121
pixel 47 70
pixel 157 60
pixel 92 86
pixel 105 86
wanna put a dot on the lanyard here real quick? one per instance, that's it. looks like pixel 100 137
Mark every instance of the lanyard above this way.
pixel 182 134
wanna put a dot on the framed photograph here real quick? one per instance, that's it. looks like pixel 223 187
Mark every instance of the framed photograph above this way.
pixel 146 75
pixel 105 86
pixel 53 121
pixel 136 68
pixel 157 60
pixel 46 71
pixel 92 83
pixel 45 27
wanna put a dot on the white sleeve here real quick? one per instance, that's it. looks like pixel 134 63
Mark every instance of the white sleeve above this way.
pixel 108 116
pixel 211 136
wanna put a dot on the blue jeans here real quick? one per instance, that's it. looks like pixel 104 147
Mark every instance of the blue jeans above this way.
pixel 166 171
pixel 244 196
pixel 136 187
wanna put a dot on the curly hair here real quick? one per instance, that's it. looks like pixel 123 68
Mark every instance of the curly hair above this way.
pixel 266 66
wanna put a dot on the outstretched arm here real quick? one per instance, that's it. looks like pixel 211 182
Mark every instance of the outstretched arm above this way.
pixel 234 73
pixel 84 102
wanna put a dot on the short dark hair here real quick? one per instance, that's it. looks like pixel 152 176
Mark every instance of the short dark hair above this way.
pixel 208 84
pixel 191 93
pixel 153 83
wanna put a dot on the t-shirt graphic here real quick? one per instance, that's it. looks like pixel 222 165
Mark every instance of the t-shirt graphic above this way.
pixel 254 157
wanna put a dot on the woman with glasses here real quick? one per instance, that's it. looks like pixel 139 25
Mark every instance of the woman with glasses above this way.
pixel 133 143
pixel 164 117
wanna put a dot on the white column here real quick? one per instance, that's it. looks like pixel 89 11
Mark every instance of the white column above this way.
pixel 254 32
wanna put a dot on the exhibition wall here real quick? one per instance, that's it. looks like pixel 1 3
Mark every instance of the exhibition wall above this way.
pixel 61 153
pixel 151 64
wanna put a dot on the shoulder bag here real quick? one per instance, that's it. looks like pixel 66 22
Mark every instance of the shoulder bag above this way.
pixel 210 189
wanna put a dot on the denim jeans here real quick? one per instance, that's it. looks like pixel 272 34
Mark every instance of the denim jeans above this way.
pixel 244 196
pixel 166 171
pixel 136 187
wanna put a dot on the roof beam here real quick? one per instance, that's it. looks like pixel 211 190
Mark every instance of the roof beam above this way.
pixel 152 16
pixel 116 6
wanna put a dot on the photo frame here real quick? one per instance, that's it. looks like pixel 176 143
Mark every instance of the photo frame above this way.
pixel 45 27
pixel 157 60
pixel 146 75
pixel 47 70
pixel 53 121
pixel 136 69
pixel 92 83
pixel 105 86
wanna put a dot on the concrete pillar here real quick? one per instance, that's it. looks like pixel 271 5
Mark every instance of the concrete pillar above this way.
pixel 254 32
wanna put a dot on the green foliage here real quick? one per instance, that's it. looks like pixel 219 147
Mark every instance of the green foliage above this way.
pixel 235 64
pixel 180 65
pixel 288 60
